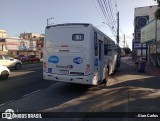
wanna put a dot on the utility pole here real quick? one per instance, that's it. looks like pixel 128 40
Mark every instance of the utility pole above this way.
pixel 24 35
pixel 48 19
pixel 118 28
pixel 124 41
pixel 2 47
pixel 119 49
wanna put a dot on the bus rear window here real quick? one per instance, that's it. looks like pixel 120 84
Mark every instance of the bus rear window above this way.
pixel 78 37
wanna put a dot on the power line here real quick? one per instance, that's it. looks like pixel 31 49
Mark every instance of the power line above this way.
pixel 112 13
pixel 97 8
pixel 108 14
pixel 102 8
pixel 115 5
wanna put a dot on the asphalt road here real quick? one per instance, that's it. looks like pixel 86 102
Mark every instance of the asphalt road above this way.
pixel 22 82
pixel 26 91
pixel 126 91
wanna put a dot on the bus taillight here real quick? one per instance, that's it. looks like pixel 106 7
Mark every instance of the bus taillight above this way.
pixel 88 65
pixel 44 66
pixel 88 68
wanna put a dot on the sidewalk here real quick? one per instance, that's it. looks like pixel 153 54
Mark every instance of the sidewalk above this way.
pixel 143 88
pixel 149 69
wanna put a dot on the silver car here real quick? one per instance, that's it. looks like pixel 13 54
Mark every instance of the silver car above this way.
pixel 8 61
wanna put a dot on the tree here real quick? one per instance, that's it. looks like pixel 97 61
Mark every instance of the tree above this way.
pixel 158 2
pixel 127 50
pixel 157 14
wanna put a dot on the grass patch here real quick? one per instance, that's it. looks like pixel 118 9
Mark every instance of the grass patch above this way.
pixel 26 63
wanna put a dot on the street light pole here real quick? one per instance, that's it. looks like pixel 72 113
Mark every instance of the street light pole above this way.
pixel 124 41
pixel 118 28
pixel 111 28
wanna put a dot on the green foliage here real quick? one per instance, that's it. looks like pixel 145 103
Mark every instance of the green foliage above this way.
pixel 41 38
pixel 127 50
pixel 157 14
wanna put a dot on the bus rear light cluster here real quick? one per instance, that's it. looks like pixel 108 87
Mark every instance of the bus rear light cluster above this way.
pixel 44 66
pixel 88 68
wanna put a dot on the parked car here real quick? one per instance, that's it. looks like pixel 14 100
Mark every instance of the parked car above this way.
pixel 8 61
pixel 21 57
pixel 32 58
pixel 4 72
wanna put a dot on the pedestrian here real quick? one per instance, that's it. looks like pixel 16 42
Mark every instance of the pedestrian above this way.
pixel 142 61
pixel 136 63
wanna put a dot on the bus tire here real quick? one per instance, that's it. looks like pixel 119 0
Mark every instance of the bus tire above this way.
pixel 106 76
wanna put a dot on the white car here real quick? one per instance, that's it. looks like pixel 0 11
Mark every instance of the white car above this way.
pixel 8 61
pixel 4 72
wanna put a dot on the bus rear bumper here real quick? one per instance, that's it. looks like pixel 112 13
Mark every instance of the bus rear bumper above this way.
pixel 87 79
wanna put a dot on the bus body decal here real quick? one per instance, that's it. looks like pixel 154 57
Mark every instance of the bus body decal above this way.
pixel 53 59
pixel 78 60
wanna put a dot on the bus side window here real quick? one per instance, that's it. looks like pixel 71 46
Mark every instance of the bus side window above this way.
pixel 109 48
pixel 105 46
pixel 95 44
pixel 105 49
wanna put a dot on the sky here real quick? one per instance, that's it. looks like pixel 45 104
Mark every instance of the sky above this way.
pixel 19 16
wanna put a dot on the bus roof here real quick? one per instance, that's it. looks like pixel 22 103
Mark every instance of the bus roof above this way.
pixel 80 24
pixel 69 24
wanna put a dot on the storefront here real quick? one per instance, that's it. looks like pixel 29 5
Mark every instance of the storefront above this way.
pixel 22 47
pixel 154 53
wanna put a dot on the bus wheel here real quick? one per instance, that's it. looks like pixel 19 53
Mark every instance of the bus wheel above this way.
pixel 107 76
pixel 103 84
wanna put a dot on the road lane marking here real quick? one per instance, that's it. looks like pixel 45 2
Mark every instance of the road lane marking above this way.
pixel 29 94
pixel 54 84
pixel 40 90
pixel 6 103
pixel 32 93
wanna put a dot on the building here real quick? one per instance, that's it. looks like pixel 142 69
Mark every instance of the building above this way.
pixel 143 17
pixel 17 46
pixel 38 39
pixel 33 44
pixel 150 34
pixel 3 35
pixel 31 36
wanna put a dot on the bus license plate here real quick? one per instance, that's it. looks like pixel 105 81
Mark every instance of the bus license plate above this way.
pixel 65 72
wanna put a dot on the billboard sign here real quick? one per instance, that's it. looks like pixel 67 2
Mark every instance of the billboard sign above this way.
pixel 20 44
pixel 140 21
pixel 138 45
pixel 148 32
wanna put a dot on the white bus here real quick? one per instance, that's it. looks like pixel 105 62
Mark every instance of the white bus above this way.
pixel 78 53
